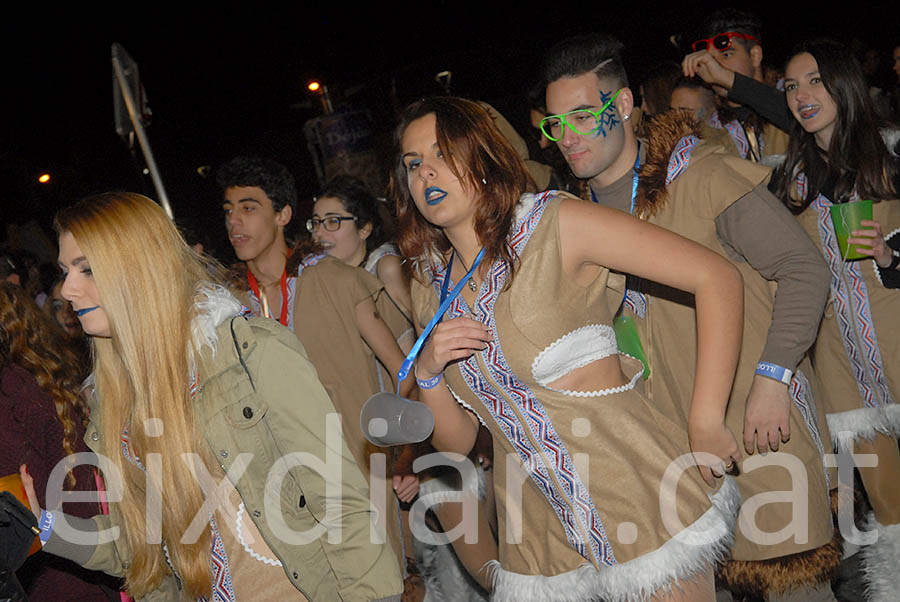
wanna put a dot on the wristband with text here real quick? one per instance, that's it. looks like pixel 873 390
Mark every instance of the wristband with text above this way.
pixel 775 372
pixel 46 525
pixel 429 383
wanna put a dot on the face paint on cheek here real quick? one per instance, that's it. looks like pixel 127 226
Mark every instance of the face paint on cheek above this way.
pixel 608 119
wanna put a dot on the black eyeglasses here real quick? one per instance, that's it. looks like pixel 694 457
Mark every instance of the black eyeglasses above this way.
pixel 330 223
pixel 721 42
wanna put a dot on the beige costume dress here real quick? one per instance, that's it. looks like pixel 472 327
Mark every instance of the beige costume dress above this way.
pixel 857 350
pixel 586 508
pixel 856 354
pixel 322 300
pixel 857 358
pixel 685 186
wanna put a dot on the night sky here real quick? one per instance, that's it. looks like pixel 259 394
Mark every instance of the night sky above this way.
pixel 227 83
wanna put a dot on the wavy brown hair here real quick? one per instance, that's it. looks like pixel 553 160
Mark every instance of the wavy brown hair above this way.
pixel 29 340
pixel 482 159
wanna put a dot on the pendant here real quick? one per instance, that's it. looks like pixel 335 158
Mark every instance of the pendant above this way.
pixel 472 286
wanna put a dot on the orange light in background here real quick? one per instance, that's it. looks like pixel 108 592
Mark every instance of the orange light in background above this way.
pixel 313 86
pixel 44 178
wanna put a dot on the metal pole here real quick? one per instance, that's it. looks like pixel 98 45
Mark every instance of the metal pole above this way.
pixel 142 137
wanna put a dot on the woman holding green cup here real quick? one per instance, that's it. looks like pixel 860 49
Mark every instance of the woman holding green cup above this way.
pixel 840 153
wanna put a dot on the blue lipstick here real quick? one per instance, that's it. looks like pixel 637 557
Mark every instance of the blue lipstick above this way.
pixel 437 199
pixel 86 310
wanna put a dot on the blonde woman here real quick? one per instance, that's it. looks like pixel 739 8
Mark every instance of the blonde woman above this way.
pixel 195 410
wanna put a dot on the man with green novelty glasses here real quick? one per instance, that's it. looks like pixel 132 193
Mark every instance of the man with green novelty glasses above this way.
pixel 677 181
pixel 584 122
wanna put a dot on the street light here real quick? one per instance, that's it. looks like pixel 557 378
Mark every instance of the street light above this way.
pixel 44 178
pixel 318 88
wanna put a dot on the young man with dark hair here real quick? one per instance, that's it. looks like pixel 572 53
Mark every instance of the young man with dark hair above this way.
pixel 696 189
pixel 730 42
pixel 328 304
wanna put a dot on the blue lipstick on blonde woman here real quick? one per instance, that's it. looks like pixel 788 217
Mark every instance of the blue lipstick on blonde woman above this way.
pixel 434 195
pixel 86 310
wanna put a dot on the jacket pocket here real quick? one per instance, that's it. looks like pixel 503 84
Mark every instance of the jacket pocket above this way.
pixel 246 412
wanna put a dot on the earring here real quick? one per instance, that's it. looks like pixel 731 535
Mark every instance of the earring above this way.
pixel 483 180
pixel 626 118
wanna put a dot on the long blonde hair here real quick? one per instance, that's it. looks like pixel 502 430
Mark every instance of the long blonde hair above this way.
pixel 146 277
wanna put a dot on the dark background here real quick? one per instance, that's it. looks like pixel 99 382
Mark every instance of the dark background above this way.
pixel 227 82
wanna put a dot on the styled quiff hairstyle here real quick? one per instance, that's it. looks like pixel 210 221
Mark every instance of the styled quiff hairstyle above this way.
pixel 485 162
pixel 272 177
pixel 596 53
pixel 147 280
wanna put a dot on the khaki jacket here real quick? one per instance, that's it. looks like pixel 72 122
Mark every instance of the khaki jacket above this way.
pixel 262 397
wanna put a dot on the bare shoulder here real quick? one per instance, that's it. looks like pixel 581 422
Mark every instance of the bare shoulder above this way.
pixel 389 268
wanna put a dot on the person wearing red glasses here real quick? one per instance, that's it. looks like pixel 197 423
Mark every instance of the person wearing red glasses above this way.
pixel 729 43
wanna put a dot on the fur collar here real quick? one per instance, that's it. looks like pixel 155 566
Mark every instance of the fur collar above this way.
pixel 659 135
pixel 213 305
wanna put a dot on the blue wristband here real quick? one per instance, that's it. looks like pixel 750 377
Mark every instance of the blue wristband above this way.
pixel 429 383
pixel 775 372
pixel 46 525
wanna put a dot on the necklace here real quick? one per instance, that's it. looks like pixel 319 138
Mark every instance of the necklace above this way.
pixel 473 286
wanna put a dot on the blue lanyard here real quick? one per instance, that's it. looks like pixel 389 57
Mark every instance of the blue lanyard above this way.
pixel 445 303
pixel 634 187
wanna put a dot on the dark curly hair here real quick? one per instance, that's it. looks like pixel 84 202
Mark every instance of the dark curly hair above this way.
pixel 273 177
pixel 360 203
pixel 29 340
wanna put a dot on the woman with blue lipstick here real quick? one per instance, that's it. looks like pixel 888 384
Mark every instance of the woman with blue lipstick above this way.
pixel 198 414
pixel 586 467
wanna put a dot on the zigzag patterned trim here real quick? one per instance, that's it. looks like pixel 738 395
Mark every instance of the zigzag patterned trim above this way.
pixel 680 157
pixel 222 587
pixel 851 304
pixel 739 137
pixel 636 302
pixel 801 395
pixel 573 505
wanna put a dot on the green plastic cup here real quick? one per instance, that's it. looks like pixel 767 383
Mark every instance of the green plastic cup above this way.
pixel 846 218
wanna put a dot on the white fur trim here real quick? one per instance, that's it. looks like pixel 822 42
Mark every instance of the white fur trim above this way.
pixel 239 525
pixel 891 138
pixel 638 579
pixel 524 206
pixel 441 492
pixel 863 423
pixel 880 562
pixel 460 401
pixel 446 580
pixel 214 305
pixel 773 161
pixel 573 350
